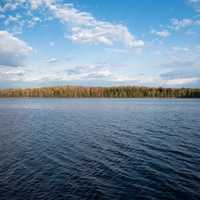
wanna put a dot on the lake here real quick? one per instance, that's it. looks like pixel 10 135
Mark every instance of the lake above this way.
pixel 146 149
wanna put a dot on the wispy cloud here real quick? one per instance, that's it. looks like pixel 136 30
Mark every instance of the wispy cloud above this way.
pixel 86 29
pixel 13 51
pixel 12 74
pixel 195 4
pixel 83 26
pixel 181 81
pixel 162 33
pixel 10 5
pixel 178 24
pixel 52 60
pixel 89 72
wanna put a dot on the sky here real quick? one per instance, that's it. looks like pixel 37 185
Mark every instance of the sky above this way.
pixel 152 43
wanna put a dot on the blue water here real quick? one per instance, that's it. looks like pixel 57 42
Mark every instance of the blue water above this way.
pixel 146 149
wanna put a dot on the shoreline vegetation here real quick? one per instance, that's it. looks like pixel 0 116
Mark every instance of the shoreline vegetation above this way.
pixel 102 92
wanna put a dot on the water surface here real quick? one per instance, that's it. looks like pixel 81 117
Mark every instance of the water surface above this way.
pixel 146 149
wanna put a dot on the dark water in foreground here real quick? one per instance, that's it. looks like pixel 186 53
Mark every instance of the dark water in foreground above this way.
pixel 99 149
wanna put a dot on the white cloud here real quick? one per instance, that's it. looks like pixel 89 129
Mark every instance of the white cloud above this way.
pixel 11 19
pixel 87 72
pixel 181 81
pixel 195 4
pixel 52 60
pixel 2 16
pixel 11 74
pixel 86 29
pixel 178 48
pixel 15 24
pixel 181 57
pixel 178 24
pixel 33 21
pixel 76 73
pixel 83 73
pixel 97 74
pixel 35 4
pixel 194 1
pixel 83 26
pixel 9 6
pixel 163 33
pixel 155 81
pixel 13 51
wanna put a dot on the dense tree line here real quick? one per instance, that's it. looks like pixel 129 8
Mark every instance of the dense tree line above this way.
pixel 121 92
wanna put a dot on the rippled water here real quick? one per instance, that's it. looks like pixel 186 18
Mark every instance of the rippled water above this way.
pixel 99 149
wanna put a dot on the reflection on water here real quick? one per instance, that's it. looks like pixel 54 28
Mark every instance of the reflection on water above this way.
pixel 99 149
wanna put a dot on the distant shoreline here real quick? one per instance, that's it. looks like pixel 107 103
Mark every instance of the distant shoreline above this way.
pixel 101 92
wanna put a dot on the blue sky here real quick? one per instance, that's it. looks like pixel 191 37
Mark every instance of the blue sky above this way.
pixel 99 43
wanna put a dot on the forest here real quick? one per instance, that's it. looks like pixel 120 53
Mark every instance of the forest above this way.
pixel 104 92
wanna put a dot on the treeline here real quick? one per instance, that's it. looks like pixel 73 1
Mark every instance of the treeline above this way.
pixel 120 92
